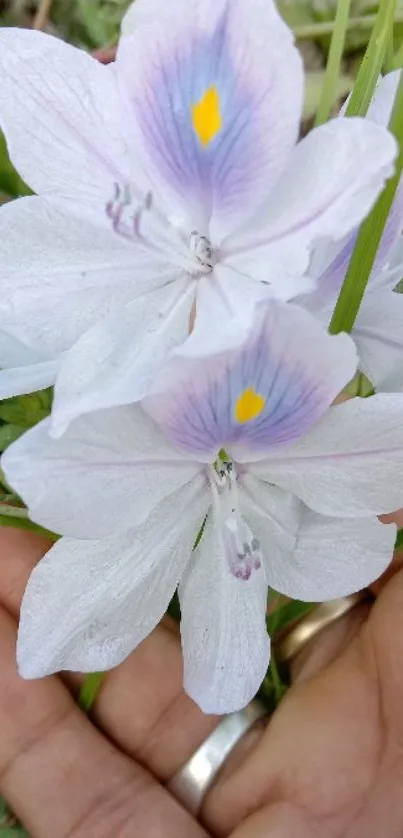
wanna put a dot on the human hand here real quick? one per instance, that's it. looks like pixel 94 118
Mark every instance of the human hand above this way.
pixel 328 764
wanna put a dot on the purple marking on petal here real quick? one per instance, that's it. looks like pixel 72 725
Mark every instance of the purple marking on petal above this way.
pixel 177 82
pixel 216 47
pixel 332 278
pixel 288 360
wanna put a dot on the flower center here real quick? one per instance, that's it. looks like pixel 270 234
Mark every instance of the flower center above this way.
pixel 137 218
pixel 242 548
pixel 201 248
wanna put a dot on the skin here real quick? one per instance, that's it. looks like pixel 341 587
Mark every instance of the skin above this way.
pixel 329 763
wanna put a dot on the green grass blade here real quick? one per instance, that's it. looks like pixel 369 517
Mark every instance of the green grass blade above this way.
pixel 332 74
pixel 370 235
pixel 372 62
pixel 398 59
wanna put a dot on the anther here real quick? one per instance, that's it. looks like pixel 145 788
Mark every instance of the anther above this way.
pixel 202 249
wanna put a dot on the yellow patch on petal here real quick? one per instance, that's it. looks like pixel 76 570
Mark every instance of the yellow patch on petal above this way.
pixel 206 116
pixel 249 406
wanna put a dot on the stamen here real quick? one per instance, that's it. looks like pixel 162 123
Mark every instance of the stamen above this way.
pixel 242 548
pixel 129 216
pixel 127 224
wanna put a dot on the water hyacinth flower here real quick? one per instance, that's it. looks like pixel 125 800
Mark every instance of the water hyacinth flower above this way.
pixel 170 178
pixel 241 442
pixel 378 330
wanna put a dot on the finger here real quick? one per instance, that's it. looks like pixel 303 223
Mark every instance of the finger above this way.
pixel 393 518
pixel 325 646
pixel 20 551
pixel 279 820
pixel 142 705
pixel 244 784
pixel 328 644
pixel 395 565
pixel 268 772
pixel 62 777
pixel 342 764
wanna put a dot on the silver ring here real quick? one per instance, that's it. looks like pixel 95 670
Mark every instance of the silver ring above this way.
pixel 192 782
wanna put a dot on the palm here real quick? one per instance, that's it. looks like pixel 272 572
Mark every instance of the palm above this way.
pixel 331 761
pixel 328 764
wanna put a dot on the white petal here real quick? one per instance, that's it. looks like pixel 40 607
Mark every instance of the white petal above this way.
pixel 381 106
pixel 391 273
pixel 65 123
pixel 273 516
pixel 333 557
pixel 277 277
pixel 16 381
pixel 15 353
pixel 350 464
pixel 114 362
pixel 68 274
pixel 378 334
pixel 224 639
pixel 107 473
pixel 331 181
pixel 243 55
pixel 22 368
pixel 88 604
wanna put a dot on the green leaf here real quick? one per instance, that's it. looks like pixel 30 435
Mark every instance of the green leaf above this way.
pixel 26 524
pixel 399 540
pixel 26 411
pixel 90 689
pixel 8 434
pixel 398 58
pixel 174 609
pixel 10 182
pixel 9 829
pixel 370 235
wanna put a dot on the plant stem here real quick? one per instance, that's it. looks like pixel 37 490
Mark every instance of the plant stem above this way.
pixel 370 235
pixel 318 30
pixel 42 14
pixel 333 62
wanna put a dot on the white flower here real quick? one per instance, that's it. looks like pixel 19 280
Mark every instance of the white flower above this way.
pixel 378 330
pixel 169 178
pixel 289 491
